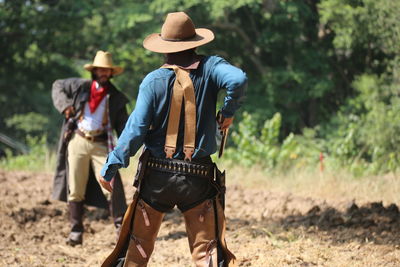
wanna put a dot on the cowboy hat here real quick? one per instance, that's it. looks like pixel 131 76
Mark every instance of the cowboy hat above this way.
pixel 103 60
pixel 177 34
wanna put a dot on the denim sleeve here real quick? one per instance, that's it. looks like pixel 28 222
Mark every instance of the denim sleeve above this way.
pixel 234 80
pixel 132 137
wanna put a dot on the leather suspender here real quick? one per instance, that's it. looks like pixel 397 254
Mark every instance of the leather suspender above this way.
pixel 183 90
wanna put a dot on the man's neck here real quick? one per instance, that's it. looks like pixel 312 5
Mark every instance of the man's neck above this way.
pixel 103 84
pixel 185 59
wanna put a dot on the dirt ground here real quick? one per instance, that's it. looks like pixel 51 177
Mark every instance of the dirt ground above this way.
pixel 264 228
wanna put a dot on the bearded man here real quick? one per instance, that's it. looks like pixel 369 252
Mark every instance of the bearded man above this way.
pixel 92 109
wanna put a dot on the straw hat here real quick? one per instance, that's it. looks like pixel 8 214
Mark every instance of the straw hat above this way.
pixel 177 34
pixel 103 60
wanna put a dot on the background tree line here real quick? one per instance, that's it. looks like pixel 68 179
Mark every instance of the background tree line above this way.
pixel 323 75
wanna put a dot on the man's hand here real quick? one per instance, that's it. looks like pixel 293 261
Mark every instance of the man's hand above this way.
pixel 106 185
pixel 225 123
pixel 69 112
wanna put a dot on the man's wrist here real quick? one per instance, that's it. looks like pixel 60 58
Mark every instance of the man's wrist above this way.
pixel 226 114
pixel 107 174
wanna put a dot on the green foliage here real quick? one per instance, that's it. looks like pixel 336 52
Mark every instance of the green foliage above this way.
pixel 29 123
pixel 38 41
pixel 276 43
pixel 368 128
pixel 263 147
pixel 364 133
pixel 39 158
pixel 366 24
pixel 327 69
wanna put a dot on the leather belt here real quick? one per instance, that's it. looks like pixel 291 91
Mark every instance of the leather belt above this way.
pixel 96 138
pixel 181 167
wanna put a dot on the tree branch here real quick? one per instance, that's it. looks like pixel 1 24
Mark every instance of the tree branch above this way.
pixel 249 44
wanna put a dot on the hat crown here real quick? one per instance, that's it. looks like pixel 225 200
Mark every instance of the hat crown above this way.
pixel 103 59
pixel 177 34
pixel 177 27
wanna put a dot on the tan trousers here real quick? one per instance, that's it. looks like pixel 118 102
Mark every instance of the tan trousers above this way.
pixel 82 153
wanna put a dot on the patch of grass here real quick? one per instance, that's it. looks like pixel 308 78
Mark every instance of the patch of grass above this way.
pixel 334 185
pixel 39 158
pixel 61 260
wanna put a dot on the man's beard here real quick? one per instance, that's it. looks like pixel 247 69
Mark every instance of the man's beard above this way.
pixel 103 80
pixel 97 79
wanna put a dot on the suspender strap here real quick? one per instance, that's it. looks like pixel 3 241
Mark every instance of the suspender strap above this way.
pixel 183 90
pixel 105 115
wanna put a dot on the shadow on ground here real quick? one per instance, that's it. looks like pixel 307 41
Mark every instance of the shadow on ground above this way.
pixel 371 222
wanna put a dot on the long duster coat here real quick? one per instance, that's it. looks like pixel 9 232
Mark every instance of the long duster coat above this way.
pixel 76 92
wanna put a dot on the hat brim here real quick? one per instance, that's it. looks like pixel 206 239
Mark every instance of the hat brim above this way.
pixel 116 69
pixel 155 43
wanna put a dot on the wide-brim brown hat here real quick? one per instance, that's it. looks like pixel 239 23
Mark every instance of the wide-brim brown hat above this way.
pixel 177 34
pixel 104 60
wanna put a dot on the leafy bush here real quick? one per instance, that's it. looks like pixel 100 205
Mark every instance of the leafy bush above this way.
pixel 365 134
pixel 39 158
pixel 29 123
pixel 254 145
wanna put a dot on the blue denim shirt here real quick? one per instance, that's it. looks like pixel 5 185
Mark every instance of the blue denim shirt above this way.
pixel 148 122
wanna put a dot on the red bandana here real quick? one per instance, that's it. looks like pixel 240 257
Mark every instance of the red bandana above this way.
pixel 96 95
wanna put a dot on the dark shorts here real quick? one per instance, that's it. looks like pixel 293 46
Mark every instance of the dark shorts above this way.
pixel 163 190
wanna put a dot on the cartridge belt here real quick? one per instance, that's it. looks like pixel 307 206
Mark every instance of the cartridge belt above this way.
pixel 181 167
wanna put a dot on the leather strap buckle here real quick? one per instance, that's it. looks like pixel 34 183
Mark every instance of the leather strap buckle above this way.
pixel 169 151
pixel 188 153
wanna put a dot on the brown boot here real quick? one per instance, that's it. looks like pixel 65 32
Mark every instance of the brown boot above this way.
pixel 146 223
pixel 75 215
